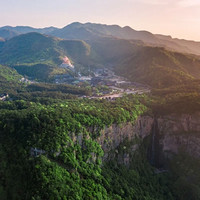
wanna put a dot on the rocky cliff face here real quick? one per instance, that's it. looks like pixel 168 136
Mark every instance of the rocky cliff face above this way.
pixel 168 135
pixel 126 137
pixel 180 132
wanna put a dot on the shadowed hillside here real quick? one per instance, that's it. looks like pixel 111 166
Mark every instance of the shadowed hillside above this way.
pixel 158 67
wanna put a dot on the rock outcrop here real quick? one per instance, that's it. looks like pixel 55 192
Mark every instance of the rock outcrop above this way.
pixel 168 134
pixel 131 134
pixel 180 132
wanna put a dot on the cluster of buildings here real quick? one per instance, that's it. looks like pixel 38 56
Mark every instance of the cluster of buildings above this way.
pixel 27 81
pixel 116 85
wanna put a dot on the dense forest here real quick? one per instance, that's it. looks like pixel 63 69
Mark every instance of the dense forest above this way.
pixel 48 152
pixel 67 169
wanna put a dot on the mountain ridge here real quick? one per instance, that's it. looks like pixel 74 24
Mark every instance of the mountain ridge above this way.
pixel 91 31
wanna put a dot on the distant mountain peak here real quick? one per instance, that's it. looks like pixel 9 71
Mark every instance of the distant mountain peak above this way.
pixel 127 27
pixel 74 25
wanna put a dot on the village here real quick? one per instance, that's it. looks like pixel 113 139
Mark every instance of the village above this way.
pixel 106 83
pixel 103 82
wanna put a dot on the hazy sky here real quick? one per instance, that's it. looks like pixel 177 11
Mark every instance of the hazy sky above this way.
pixel 179 18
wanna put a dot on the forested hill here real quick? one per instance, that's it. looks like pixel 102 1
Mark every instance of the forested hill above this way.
pixel 34 48
pixel 8 74
pixel 71 173
pixel 39 56
pixel 159 67
pixel 9 80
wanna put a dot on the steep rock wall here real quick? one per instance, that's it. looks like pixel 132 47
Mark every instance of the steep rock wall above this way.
pixel 128 135
pixel 168 134
pixel 180 132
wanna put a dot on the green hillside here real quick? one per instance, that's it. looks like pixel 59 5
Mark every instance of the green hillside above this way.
pixel 79 51
pixel 159 67
pixel 9 74
pixel 9 79
pixel 30 48
pixel 39 56
pixel 70 165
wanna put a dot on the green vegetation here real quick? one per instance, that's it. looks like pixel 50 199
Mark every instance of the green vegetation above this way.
pixel 71 165
pixel 186 177
pixel 67 170
pixel 9 80
pixel 29 48
pixel 47 93
pixel 178 99
pixel 138 183
pixel 41 72
pixel 35 48
pixel 9 74
pixel 39 56
pixel 160 68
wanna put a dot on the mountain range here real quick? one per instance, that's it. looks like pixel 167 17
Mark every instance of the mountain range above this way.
pixel 90 31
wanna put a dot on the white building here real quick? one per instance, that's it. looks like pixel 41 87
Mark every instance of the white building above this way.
pixel 3 97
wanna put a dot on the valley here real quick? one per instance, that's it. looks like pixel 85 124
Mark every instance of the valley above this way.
pixel 105 84
pixel 92 111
